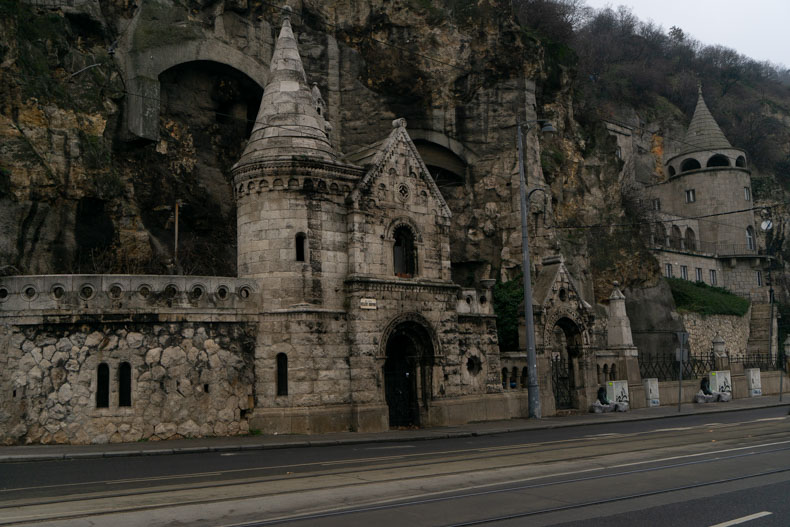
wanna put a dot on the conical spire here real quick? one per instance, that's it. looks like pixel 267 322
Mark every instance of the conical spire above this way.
pixel 703 132
pixel 288 124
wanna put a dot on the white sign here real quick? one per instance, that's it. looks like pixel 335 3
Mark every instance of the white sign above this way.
pixel 367 303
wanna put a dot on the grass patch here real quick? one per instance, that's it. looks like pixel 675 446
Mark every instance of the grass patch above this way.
pixel 701 298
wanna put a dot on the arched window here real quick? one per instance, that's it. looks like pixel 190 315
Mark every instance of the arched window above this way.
pixel 301 241
pixel 691 239
pixel 740 162
pixel 750 238
pixel 514 378
pixel 282 374
pixel 404 253
pixel 660 234
pixel 103 386
pixel 125 384
pixel 675 238
pixel 671 171
pixel 504 378
pixel 689 164
pixel 718 161
pixel 613 372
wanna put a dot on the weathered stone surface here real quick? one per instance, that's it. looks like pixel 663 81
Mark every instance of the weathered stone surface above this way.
pixel 59 396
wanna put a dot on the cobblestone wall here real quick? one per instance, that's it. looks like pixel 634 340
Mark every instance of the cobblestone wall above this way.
pixel 187 380
pixel 703 329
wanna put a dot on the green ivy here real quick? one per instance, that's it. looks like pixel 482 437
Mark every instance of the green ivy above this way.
pixel 509 309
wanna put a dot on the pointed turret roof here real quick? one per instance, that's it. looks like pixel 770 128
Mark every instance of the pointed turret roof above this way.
pixel 703 131
pixel 288 124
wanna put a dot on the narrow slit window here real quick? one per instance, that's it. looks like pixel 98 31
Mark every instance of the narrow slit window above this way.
pixel 125 384
pixel 103 386
pixel 282 374
pixel 301 241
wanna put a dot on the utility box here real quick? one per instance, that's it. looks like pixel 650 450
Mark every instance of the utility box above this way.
pixel 651 392
pixel 617 392
pixel 720 381
pixel 754 384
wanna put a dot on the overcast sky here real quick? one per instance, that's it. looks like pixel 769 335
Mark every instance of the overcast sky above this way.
pixel 759 29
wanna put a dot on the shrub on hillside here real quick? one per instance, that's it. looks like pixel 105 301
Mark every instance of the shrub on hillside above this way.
pixel 706 300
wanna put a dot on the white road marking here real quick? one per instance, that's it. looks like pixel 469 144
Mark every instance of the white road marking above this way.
pixel 678 429
pixel 390 447
pixel 738 521
pixel 770 419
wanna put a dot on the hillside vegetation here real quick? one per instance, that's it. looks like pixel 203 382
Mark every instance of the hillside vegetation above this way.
pixel 706 300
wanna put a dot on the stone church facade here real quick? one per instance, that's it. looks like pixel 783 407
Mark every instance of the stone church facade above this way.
pixel 343 315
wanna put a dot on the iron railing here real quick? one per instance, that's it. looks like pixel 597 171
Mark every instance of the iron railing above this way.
pixel 764 361
pixel 665 367
pixel 706 247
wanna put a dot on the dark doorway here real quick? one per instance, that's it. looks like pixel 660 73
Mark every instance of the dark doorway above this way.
pixel 564 363
pixel 407 373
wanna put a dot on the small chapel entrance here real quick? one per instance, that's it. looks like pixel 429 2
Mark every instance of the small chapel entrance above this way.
pixel 567 343
pixel 407 373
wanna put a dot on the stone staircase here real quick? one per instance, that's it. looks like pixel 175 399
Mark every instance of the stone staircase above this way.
pixel 759 329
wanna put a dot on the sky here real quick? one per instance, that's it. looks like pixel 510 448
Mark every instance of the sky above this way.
pixel 755 28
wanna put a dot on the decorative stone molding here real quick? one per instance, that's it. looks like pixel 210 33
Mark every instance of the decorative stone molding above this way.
pixel 78 294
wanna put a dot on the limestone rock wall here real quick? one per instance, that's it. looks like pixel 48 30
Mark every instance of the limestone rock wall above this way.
pixel 188 380
pixel 702 329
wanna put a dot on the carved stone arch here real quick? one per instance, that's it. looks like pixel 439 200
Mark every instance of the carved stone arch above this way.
pixel 563 312
pixel 142 69
pixel 403 221
pixel 407 317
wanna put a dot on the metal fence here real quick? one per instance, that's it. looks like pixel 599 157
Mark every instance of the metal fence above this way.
pixel 665 367
pixel 764 361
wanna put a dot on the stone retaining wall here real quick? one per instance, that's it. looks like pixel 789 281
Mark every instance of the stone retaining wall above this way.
pixel 187 380
pixel 702 329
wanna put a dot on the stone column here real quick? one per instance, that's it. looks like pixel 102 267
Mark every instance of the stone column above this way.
pixel 620 340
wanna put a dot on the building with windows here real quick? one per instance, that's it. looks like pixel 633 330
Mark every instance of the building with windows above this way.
pixel 343 315
pixel 703 212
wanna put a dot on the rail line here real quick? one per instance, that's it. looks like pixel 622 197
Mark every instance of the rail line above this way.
pixel 568 452
pixel 733 433
pixel 547 510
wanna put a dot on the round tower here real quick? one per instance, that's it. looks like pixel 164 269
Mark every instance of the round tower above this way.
pixel 290 191
pixel 712 176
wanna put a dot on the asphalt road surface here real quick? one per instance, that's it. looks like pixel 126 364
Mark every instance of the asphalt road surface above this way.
pixel 696 470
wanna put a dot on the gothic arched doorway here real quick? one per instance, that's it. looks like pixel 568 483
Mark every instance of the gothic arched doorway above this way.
pixel 567 344
pixel 407 372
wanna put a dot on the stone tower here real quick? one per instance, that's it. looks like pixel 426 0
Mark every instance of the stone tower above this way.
pixel 711 176
pixel 290 191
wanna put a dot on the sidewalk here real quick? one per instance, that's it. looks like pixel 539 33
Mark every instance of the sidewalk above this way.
pixel 11 454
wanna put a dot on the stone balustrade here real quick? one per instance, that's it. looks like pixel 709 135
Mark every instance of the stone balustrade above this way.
pixel 64 294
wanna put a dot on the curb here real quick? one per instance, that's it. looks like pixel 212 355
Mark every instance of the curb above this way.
pixel 25 458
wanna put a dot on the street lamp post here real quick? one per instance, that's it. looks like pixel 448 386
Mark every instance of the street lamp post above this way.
pixel 532 366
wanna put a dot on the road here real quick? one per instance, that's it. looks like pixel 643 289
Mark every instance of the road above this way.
pixel 695 470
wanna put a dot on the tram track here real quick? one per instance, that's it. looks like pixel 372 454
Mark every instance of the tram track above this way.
pixel 568 451
pixel 463 496
pixel 389 469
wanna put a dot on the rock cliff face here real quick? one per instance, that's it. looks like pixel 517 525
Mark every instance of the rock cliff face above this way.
pixel 114 111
